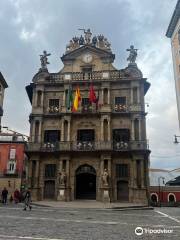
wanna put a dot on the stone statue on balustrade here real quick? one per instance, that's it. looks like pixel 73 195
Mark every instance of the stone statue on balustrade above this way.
pixel 132 54
pixel 105 178
pixel 62 178
pixel 44 60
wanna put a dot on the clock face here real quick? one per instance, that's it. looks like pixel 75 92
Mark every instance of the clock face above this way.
pixel 87 58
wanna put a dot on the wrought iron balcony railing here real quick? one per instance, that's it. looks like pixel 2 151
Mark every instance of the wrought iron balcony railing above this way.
pixel 87 146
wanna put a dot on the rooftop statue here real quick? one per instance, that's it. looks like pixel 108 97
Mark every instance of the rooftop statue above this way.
pixel 87 35
pixel 44 60
pixel 97 41
pixel 132 54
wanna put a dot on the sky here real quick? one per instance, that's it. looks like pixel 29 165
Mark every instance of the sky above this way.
pixel 27 27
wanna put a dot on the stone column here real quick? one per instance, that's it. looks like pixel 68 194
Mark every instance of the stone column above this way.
pixel 142 173
pixel 109 166
pixel 139 129
pixel 33 131
pixel 62 130
pixel 37 174
pixel 69 130
pixel 108 96
pixel 109 129
pixel 131 96
pixel 138 95
pixel 64 98
pixel 42 98
pixel 135 173
pixel 102 96
pixel 102 129
pixel 30 172
pixel 132 130
pixel 40 132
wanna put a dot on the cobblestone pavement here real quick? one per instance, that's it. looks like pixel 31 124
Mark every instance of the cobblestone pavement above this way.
pixel 47 223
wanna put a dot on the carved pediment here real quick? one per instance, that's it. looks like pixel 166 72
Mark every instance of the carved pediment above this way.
pixel 87 48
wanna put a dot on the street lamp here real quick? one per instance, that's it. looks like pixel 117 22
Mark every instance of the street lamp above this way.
pixel 159 183
pixel 175 139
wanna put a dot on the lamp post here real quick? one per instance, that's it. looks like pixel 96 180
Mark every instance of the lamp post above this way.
pixel 176 139
pixel 159 183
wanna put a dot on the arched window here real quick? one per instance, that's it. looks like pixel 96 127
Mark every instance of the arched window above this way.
pixel 171 197
pixel 154 197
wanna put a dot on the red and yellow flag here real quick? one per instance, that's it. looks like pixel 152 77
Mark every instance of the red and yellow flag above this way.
pixel 77 99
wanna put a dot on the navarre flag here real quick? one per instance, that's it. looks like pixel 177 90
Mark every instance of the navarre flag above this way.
pixel 77 99
pixel 92 95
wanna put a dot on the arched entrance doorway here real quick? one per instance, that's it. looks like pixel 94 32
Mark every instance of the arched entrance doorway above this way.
pixel 122 191
pixel 85 182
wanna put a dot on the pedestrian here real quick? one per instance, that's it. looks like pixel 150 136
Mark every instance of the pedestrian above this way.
pixel 27 200
pixel 17 196
pixel 4 195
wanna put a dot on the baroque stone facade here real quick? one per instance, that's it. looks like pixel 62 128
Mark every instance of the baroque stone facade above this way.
pixel 99 151
pixel 3 86
pixel 173 32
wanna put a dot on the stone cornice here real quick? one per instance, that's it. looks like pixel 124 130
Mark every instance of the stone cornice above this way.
pixel 174 20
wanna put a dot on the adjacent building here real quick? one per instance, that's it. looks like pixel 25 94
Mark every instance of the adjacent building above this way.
pixel 12 161
pixel 164 186
pixel 3 86
pixel 173 32
pixel 88 126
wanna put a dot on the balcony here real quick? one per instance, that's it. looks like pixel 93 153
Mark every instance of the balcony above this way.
pixel 81 76
pixel 87 146
pixel 53 109
pixel 121 108
pixel 129 146
pixel 8 172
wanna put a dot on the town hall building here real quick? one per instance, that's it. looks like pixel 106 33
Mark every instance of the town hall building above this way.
pixel 88 126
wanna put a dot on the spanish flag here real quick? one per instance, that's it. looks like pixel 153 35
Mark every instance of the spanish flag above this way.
pixel 77 99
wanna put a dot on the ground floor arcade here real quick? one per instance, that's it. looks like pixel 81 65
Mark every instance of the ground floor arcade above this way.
pixel 101 177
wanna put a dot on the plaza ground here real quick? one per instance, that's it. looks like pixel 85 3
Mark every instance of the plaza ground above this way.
pixel 52 223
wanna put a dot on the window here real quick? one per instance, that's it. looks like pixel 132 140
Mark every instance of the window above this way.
pixel 87 73
pixel 86 106
pixel 85 102
pixel 122 170
pixel 51 136
pixel 50 170
pixel 120 100
pixel 154 198
pixel 11 167
pixel 121 135
pixel 85 135
pixel 12 153
pixel 171 197
pixel 120 104
pixel 53 105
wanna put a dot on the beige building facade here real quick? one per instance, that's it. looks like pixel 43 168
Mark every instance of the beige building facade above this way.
pixel 173 32
pixel 100 151
pixel 3 86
